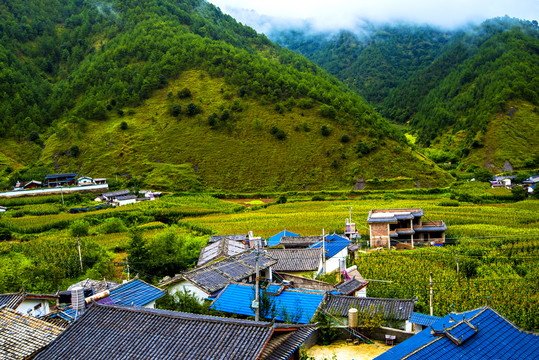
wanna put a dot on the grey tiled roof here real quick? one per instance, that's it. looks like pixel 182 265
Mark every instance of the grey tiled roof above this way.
pixel 284 343
pixel 348 287
pixel 296 259
pixel 299 241
pixel 116 193
pixel 13 300
pixel 215 276
pixel 22 335
pixel 115 332
pixel 221 248
pixel 397 309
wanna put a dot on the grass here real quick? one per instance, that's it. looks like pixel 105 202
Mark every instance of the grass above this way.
pixel 184 153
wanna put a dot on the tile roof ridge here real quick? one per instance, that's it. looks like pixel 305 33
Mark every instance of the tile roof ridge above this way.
pixel 186 316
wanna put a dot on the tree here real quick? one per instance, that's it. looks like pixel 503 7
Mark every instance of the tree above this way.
pixel 192 109
pixel 176 110
pixel 79 228
pixel 74 151
pixel 519 193
pixel 345 138
pixel 184 93
pixel 325 131
pixel 112 225
pixel 137 251
pixel 482 174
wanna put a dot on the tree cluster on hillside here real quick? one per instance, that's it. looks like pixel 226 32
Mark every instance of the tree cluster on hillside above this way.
pixel 86 59
pixel 431 78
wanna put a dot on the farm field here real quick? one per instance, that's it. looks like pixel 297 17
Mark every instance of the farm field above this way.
pixel 496 241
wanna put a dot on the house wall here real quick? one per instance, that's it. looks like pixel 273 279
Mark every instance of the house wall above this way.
pixel 379 234
pixel 27 307
pixel 150 305
pixel 125 202
pixel 362 293
pixel 200 295
pixel 332 264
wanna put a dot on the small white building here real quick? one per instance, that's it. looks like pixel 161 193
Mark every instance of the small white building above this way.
pixel 85 180
pixel 27 303
pixel 3 209
pixel 124 200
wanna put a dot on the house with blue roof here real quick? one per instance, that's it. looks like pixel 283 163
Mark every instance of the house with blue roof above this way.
pixel 275 239
pixel 418 322
pixel 131 293
pixel 477 334
pixel 292 305
pixel 336 249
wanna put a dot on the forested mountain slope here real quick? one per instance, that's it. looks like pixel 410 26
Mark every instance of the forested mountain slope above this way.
pixel 448 86
pixel 177 95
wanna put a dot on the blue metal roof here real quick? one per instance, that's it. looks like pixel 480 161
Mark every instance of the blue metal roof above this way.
pixel 333 244
pixel 275 239
pixel 478 334
pixel 135 292
pixel 422 319
pixel 293 305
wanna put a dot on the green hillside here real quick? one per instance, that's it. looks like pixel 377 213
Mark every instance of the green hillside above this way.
pixel 177 95
pixel 448 87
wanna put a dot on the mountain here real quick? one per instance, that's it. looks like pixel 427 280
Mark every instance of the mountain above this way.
pixel 449 87
pixel 176 95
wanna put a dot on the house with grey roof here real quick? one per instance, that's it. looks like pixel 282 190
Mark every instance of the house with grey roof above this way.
pixel 406 227
pixel 209 279
pixel 294 261
pixel 299 241
pixel 23 335
pixel 28 303
pixel 240 237
pixel 118 332
pixel 220 249
pixel 392 310
pixel 353 283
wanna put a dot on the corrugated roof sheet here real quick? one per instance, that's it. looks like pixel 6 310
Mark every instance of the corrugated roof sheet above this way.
pixel 333 245
pixel 423 320
pixel 294 305
pixel 56 176
pixel 22 335
pixel 241 237
pixel 114 332
pixel 485 335
pixel 221 248
pixel 215 276
pixel 393 215
pixel 397 309
pixel 116 193
pixel 275 239
pixel 296 259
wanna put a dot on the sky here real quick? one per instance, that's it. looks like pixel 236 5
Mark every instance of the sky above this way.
pixel 325 15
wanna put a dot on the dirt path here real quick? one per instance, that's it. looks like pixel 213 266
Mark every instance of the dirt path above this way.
pixel 342 351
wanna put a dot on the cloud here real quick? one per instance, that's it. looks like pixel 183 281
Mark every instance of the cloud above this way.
pixel 348 14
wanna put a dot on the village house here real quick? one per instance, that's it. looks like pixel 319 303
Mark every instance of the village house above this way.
pixel 389 227
pixel 28 303
pixel 116 332
pixel 293 242
pixel 110 196
pixel 55 180
pixel 85 181
pixel 33 184
pixel 336 251
pixel 124 200
pixel 291 305
pixel 276 239
pixel 23 335
pixel 208 280
pixel 131 293
pixel 3 209
pixel 307 262
pixel 353 284
pixel 394 311
pixel 476 334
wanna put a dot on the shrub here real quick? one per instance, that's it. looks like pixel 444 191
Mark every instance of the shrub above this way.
pixel 184 93
pixel 79 228
pixel 328 111
pixel 281 200
pixel 5 234
pixel 345 138
pixel 318 198
pixel 176 110
pixel 112 225
pixel 123 125
pixel 192 109
pixel 280 135
pixel 274 130
pixel 74 151
pixel 326 131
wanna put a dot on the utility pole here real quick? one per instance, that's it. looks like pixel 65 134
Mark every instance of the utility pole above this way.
pixel 350 211
pixel 80 256
pixel 431 296
pixel 458 275
pixel 256 303
pixel 62 192
pixel 127 263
